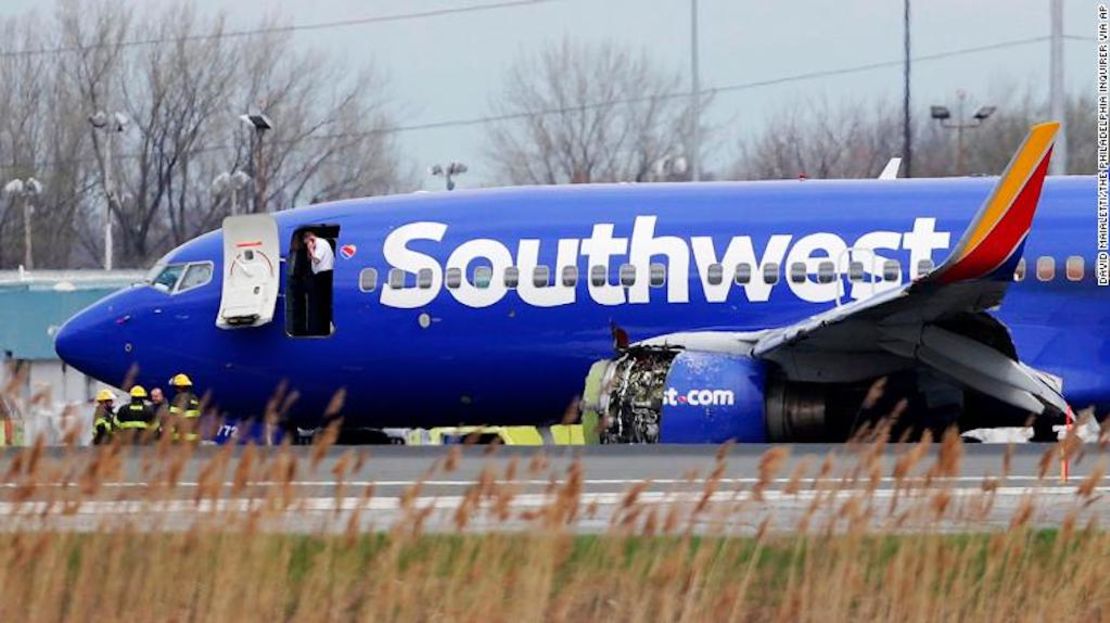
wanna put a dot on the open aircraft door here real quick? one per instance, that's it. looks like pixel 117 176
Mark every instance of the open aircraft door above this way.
pixel 251 271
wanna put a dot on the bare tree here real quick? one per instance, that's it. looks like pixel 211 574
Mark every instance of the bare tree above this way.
pixel 331 137
pixel 41 135
pixel 989 147
pixel 587 113
pixel 816 139
pixel 182 80
pixel 855 140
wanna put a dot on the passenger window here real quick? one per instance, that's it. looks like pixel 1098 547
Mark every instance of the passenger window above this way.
pixel 512 276
pixel 368 279
pixel 195 276
pixel 570 276
pixel 598 276
pixel 716 274
pixel 167 279
pixel 743 274
pixel 628 275
pixel 541 277
pixel 855 271
pixel 424 278
pixel 454 277
pixel 1019 272
pixel 483 275
pixel 771 273
pixel 1046 268
pixel 658 275
pixel 396 278
pixel 798 272
pixel 892 271
pixel 1073 269
pixel 924 267
pixel 826 272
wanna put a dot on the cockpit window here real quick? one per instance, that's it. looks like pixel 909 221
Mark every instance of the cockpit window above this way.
pixel 167 277
pixel 196 275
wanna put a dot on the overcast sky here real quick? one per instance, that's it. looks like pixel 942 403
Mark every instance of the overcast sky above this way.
pixel 449 67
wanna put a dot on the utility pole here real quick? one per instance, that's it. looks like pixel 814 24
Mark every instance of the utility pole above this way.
pixel 111 125
pixel 907 138
pixel 1059 163
pixel 695 96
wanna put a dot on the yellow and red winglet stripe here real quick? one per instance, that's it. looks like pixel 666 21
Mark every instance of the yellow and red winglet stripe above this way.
pixel 1000 227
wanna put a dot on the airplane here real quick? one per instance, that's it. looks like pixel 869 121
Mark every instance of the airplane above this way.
pixel 766 311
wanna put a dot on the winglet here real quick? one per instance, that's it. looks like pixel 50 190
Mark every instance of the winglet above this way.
pixel 890 171
pixel 992 244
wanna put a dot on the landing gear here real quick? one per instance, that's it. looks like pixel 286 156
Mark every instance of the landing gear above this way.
pixel 1043 431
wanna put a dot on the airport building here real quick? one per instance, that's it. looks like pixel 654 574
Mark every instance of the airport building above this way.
pixel 39 389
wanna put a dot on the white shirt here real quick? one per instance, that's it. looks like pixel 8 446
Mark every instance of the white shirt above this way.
pixel 323 258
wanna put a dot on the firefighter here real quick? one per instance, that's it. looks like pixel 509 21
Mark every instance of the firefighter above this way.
pixel 184 409
pixel 104 418
pixel 136 419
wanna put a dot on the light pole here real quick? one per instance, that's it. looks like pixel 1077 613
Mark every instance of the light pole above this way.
pixel 943 115
pixel 111 125
pixel 25 191
pixel 1059 163
pixel 261 124
pixel 695 95
pixel 907 138
pixel 449 172
pixel 232 183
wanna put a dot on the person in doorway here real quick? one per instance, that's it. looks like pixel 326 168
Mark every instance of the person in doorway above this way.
pixel 300 286
pixel 322 258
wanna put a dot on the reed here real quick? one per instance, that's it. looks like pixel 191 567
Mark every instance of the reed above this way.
pixel 232 549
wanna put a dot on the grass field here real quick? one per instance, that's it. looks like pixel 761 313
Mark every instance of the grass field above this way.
pixel 228 566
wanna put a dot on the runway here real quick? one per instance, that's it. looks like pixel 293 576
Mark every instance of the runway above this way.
pixel 735 490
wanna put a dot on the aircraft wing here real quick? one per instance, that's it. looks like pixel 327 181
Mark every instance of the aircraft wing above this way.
pixel 912 322
pixel 938 321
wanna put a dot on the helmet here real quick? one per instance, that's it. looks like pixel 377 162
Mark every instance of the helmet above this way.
pixel 104 395
pixel 180 380
pixel 138 391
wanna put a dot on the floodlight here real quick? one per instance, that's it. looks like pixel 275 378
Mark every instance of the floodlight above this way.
pixel 258 121
pixel 220 183
pixel 240 179
pixel 984 112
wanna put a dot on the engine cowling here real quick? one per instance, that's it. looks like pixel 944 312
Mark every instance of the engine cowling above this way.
pixel 666 395
pixel 711 398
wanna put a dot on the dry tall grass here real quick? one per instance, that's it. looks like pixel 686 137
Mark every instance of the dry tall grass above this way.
pixel 848 554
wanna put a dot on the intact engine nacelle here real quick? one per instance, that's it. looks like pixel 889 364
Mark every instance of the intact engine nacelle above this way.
pixel 668 395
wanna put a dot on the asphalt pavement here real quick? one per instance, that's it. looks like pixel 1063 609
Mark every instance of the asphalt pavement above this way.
pixel 738 489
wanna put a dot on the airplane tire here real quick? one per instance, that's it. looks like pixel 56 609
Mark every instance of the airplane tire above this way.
pixel 1043 432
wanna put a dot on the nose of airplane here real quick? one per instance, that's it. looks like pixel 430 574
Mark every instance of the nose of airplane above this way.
pixel 93 341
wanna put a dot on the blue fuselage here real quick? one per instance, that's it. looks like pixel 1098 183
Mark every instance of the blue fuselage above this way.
pixel 441 356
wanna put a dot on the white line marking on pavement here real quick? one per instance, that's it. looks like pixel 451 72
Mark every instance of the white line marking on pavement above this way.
pixel 534 500
pixel 539 482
